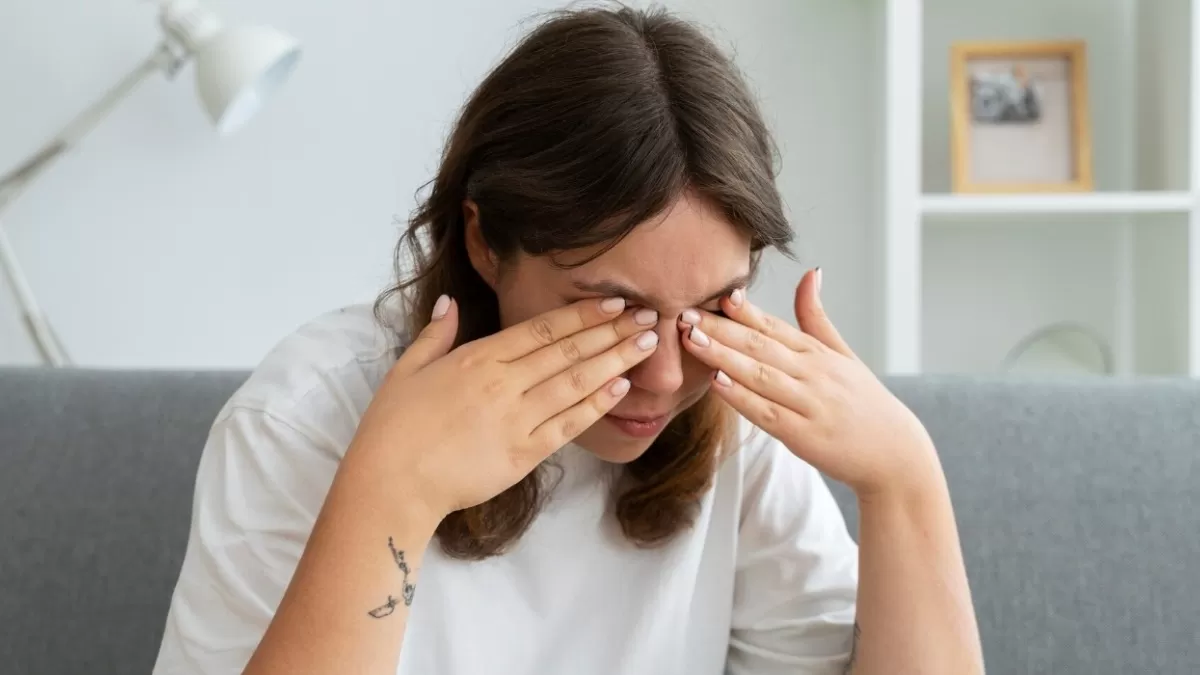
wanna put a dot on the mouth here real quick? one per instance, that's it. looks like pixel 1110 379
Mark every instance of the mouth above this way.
pixel 638 426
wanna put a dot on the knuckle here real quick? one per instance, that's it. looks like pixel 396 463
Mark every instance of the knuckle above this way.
pixel 569 428
pixel 493 386
pixel 755 341
pixel 541 330
pixel 769 324
pixel 517 457
pixel 578 381
pixel 569 349
pixel 762 374
pixel 597 407
pixel 614 329
pixel 471 358
pixel 771 414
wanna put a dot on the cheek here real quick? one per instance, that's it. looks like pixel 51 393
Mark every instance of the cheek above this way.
pixel 521 297
pixel 696 375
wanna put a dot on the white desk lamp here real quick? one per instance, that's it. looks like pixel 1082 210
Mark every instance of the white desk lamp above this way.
pixel 237 68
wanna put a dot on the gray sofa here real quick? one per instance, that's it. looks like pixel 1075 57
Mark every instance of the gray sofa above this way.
pixel 1077 503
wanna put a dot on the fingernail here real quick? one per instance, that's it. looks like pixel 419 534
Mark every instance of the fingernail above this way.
pixel 818 273
pixel 620 387
pixel 722 379
pixel 645 317
pixel 690 316
pixel 647 340
pixel 612 305
pixel 736 297
pixel 696 335
pixel 441 307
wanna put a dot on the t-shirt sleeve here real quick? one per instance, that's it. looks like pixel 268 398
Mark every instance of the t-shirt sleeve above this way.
pixel 797 569
pixel 259 488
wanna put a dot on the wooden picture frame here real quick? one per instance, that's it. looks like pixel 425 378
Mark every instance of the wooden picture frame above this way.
pixel 1019 117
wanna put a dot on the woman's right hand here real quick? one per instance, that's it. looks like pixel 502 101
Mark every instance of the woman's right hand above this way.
pixel 452 429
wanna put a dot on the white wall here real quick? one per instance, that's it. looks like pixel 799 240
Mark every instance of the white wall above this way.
pixel 159 245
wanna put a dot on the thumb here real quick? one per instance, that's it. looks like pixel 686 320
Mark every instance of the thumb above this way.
pixel 811 317
pixel 433 342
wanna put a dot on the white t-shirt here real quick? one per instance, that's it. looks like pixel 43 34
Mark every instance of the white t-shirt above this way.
pixel 765 582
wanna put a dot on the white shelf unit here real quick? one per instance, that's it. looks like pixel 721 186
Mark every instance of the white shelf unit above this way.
pixel 1115 203
pixel 908 209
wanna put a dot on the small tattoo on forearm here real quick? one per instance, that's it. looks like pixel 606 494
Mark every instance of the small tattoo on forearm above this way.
pixel 407 589
pixel 384 609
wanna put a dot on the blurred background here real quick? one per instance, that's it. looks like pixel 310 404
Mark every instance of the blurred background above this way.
pixel 158 244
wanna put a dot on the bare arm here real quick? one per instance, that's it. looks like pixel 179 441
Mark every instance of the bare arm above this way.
pixel 412 461
pixel 347 604
pixel 807 388
pixel 914 604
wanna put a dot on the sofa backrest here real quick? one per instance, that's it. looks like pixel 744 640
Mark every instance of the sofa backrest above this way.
pixel 1077 504
pixel 96 476
pixel 1078 507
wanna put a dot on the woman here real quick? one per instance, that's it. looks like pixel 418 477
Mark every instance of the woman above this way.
pixel 596 455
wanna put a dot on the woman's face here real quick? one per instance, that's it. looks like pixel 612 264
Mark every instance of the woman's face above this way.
pixel 690 257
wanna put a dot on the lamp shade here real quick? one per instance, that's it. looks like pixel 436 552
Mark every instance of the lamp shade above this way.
pixel 238 68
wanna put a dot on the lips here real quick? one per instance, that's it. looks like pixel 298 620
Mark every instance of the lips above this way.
pixel 638 426
pixel 649 417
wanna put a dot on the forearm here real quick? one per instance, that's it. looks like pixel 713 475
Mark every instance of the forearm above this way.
pixel 346 607
pixel 914 610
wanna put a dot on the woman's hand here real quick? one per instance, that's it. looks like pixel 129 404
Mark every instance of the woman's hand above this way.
pixel 806 388
pixel 456 428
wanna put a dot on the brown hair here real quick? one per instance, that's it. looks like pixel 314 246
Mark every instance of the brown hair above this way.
pixel 596 122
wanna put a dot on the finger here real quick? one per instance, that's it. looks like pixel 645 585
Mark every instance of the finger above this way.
pixel 561 429
pixel 737 306
pixel 772 383
pixel 810 314
pixel 579 381
pixel 746 339
pixel 545 329
pixel 553 359
pixel 433 342
pixel 773 418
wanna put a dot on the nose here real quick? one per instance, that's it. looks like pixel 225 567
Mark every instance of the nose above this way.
pixel 662 372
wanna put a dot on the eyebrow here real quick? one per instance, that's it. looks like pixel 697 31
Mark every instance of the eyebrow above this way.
pixel 613 288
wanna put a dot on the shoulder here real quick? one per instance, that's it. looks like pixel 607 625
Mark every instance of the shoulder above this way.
pixel 756 454
pixel 778 488
pixel 320 378
pixel 266 467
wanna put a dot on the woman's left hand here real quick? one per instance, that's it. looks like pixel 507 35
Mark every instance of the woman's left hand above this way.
pixel 806 388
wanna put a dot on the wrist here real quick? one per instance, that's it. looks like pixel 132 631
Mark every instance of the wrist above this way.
pixel 919 480
pixel 377 481
pixel 906 499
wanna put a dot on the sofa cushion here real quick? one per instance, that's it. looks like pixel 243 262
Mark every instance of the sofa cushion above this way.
pixel 96 475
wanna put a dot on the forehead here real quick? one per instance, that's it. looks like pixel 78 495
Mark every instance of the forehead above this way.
pixel 676 259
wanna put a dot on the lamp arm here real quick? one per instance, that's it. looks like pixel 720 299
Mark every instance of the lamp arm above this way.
pixel 16 181
pixel 163 59
pixel 39 329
